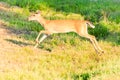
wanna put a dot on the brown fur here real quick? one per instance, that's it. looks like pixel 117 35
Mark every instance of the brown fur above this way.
pixel 64 26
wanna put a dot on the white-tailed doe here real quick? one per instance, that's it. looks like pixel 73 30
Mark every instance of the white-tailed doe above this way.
pixel 64 26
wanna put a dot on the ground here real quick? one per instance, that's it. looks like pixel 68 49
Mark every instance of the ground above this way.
pixel 10 44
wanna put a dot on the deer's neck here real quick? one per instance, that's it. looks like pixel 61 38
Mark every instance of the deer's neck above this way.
pixel 42 21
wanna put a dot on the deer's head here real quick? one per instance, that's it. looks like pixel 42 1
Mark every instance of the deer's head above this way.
pixel 35 16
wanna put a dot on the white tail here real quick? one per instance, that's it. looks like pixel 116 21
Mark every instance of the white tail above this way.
pixel 91 25
pixel 63 26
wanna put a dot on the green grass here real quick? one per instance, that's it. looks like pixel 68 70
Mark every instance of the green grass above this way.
pixel 63 56
pixel 93 11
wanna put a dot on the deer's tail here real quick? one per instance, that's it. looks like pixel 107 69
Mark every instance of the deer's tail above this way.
pixel 90 24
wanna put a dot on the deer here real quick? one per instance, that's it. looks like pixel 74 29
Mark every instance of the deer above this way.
pixel 64 26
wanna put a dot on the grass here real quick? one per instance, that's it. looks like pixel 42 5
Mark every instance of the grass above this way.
pixel 65 65
pixel 62 56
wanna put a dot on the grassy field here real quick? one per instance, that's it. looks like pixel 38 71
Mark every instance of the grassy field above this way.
pixel 61 56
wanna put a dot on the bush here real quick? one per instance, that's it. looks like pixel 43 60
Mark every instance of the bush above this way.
pixel 90 9
pixel 100 31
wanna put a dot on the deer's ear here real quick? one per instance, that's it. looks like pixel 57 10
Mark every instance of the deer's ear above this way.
pixel 38 11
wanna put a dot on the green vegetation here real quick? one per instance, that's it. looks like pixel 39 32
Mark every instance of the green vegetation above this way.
pixel 94 10
pixel 69 56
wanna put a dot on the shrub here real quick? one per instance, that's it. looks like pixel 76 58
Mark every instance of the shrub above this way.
pixel 100 31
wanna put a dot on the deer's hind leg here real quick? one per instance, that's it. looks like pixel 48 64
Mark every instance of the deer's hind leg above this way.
pixel 82 31
pixel 94 42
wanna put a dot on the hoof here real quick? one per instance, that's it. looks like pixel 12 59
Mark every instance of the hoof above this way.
pixel 102 52
pixel 36 46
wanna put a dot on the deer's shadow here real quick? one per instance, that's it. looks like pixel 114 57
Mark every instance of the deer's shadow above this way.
pixel 19 43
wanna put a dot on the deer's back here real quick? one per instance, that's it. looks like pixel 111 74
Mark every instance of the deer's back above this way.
pixel 62 26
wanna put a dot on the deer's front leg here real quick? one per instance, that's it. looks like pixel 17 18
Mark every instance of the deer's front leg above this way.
pixel 42 38
pixel 41 32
